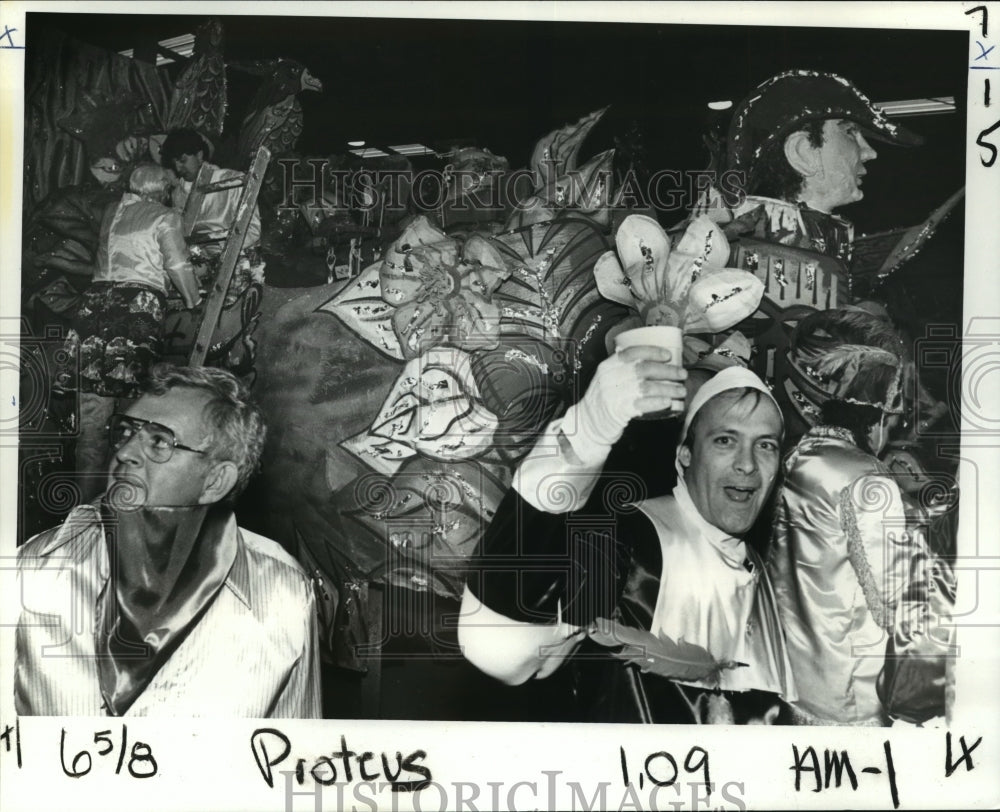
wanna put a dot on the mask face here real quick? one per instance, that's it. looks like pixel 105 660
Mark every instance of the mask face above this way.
pixel 840 166
pixel 733 459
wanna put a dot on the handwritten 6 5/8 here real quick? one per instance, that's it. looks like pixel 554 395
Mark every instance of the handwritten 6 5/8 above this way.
pixel 140 764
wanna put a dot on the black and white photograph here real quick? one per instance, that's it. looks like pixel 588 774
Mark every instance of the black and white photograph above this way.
pixel 575 391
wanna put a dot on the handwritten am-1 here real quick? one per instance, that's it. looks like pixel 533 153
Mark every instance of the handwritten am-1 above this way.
pixel 837 769
pixel 108 747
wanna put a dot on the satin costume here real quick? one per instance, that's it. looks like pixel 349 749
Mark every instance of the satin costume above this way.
pixel 654 564
pixel 839 551
pixel 118 329
pixel 239 640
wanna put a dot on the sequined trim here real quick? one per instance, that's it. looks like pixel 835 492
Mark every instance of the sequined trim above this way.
pixel 859 561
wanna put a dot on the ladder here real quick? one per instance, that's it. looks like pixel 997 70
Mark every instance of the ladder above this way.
pixel 216 297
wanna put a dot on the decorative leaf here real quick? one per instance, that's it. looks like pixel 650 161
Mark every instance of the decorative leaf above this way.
pixel 361 306
pixel 556 153
pixel 659 655
pixel 586 190
pixel 434 410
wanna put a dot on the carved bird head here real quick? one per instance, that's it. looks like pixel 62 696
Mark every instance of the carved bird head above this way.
pixel 284 78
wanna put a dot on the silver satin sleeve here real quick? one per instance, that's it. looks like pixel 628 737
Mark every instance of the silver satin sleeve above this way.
pixel 839 557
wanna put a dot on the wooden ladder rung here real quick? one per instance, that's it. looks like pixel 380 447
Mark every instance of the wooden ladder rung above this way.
pixel 230 254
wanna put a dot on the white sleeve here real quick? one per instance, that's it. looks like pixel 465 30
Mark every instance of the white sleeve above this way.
pixel 561 469
pixel 513 651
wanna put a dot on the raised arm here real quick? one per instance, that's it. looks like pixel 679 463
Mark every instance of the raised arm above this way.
pixel 555 556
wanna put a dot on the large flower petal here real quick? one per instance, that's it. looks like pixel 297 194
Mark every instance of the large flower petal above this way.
pixel 419 232
pixel 611 280
pixel 702 247
pixel 719 300
pixel 644 248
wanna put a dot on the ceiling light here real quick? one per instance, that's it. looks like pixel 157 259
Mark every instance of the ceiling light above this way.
pixel 412 149
pixel 720 105
pixel 355 143
pixel 369 152
pixel 182 45
pixel 918 107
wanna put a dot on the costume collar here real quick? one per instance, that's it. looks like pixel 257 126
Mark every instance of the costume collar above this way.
pixel 816 435
pixel 83 518
pixel 732 549
pixel 830 432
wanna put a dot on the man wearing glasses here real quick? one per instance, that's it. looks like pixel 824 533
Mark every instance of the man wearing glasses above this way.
pixel 150 600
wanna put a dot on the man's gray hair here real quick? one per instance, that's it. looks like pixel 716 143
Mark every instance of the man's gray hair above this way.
pixel 238 429
pixel 149 180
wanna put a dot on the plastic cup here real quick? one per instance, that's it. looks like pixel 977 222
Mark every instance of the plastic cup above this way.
pixel 660 335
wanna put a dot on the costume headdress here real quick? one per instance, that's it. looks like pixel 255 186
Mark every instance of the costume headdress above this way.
pixel 846 355
pixel 782 104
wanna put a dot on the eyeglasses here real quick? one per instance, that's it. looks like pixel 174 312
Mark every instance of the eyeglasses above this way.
pixel 157 441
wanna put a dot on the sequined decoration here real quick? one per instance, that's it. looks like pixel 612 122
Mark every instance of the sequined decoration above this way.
pixel 779 272
pixel 810 275
pixel 717 299
pixel 805 405
pixel 577 364
pixel 751 261
pixel 647 258
pixel 700 261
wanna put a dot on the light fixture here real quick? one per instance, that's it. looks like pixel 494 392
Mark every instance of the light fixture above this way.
pixel 412 149
pixel 369 152
pixel 355 143
pixel 720 105
pixel 918 107
pixel 182 45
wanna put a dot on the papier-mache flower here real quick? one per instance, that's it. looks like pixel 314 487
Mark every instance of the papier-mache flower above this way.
pixel 688 286
pixel 441 289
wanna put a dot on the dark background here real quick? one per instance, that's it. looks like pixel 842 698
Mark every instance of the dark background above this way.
pixel 503 85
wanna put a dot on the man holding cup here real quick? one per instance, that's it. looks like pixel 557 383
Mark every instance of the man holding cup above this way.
pixel 562 552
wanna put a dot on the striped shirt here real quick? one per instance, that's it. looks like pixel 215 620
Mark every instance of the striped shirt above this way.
pixel 254 653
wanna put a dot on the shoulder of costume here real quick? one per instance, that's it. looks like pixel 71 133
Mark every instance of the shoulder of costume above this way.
pixel 264 551
pixel 81 520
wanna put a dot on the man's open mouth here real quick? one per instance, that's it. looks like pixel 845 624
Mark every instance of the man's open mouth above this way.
pixel 739 494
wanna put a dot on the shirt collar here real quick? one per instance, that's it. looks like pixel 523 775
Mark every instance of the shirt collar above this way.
pixel 87 517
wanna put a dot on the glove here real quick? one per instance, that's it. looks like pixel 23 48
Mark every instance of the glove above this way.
pixel 626 385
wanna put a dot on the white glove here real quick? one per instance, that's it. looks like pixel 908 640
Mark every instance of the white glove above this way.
pixel 559 473
pixel 632 382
